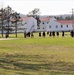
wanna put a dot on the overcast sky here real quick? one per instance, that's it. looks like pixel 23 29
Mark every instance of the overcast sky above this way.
pixel 47 7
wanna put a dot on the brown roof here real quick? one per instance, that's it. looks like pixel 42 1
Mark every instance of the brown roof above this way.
pixel 42 19
pixel 45 19
pixel 25 18
pixel 65 21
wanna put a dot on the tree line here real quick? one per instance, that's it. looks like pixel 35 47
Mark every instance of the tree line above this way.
pixel 8 15
pixel 62 18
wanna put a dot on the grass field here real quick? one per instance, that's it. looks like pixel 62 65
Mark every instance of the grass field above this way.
pixel 37 56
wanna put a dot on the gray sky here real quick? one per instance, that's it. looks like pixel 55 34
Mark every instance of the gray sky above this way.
pixel 47 7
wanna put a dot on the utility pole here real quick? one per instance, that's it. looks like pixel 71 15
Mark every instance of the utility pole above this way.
pixel 73 18
pixel 73 21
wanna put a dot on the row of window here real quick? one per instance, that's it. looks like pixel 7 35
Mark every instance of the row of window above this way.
pixel 44 23
pixel 57 26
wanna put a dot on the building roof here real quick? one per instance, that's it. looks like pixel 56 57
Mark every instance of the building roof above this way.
pixel 42 19
pixel 45 19
pixel 65 21
pixel 25 18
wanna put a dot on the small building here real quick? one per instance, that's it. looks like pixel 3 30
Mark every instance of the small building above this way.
pixel 44 22
pixel 66 25
pixel 53 25
pixel 30 25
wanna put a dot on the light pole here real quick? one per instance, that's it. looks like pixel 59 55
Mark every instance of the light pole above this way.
pixel 73 21
pixel 73 18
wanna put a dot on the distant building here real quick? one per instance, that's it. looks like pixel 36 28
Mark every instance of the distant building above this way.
pixel 66 25
pixel 43 24
pixel 47 24
pixel 30 25
pixel 53 25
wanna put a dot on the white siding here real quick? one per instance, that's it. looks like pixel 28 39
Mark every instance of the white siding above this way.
pixel 66 27
pixel 31 25
pixel 53 26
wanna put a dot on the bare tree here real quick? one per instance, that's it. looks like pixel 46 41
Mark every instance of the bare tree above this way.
pixel 6 15
pixel 35 13
pixel 8 11
pixel 2 18
pixel 17 18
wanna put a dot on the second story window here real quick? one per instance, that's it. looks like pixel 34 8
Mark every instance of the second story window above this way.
pixel 43 22
pixel 25 22
pixel 47 22
pixel 67 26
pixel 61 26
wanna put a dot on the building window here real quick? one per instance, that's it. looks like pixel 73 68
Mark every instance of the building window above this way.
pixel 38 27
pixel 61 26
pixel 25 28
pixel 67 26
pixel 25 22
pixel 43 22
pixel 47 22
pixel 43 28
pixel 56 26
pixel 49 26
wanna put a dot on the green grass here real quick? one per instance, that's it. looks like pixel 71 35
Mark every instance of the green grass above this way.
pixel 37 56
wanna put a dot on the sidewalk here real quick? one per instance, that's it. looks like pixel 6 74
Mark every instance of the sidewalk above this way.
pixel 7 38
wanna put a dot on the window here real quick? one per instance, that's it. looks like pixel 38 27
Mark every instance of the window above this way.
pixel 25 28
pixel 61 26
pixel 43 22
pixel 47 22
pixel 38 28
pixel 25 22
pixel 43 28
pixel 67 26
pixel 56 26
pixel 49 26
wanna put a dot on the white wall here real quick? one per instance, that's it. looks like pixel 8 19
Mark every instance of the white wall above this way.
pixel 66 27
pixel 53 26
pixel 43 26
pixel 31 25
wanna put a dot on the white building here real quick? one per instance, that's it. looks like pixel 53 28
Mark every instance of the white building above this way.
pixel 30 25
pixel 66 25
pixel 43 24
pixel 47 25
pixel 53 25
pixel 61 25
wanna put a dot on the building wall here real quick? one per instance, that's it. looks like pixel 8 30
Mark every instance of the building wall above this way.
pixel 66 27
pixel 53 26
pixel 31 25
pixel 43 26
